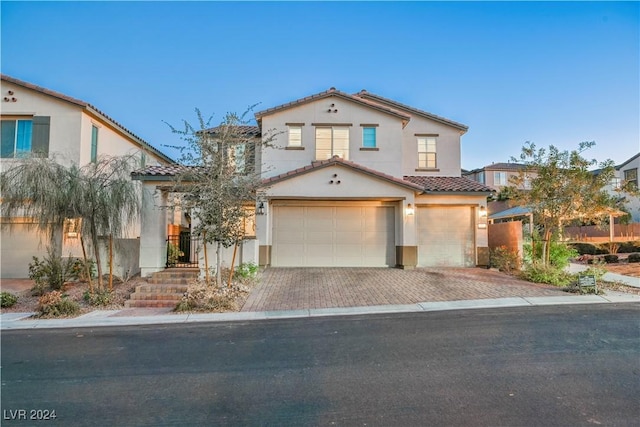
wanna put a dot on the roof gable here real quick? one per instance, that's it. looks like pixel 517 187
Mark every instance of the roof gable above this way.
pixel 336 93
pixel 363 94
pixel 90 109
pixel 317 165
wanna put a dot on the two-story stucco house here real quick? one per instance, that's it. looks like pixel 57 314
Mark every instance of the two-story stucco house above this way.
pixel 351 180
pixel 71 131
pixel 498 175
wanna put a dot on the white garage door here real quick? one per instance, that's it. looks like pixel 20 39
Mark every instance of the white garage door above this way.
pixel 19 245
pixel 445 236
pixel 333 236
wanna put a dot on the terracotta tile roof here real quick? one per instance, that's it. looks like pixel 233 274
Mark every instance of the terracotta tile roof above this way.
pixel 333 92
pixel 90 108
pixel 448 184
pixel 246 130
pixel 163 172
pixel 363 94
pixel 339 161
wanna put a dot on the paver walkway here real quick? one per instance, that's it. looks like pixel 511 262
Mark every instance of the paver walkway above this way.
pixel 308 288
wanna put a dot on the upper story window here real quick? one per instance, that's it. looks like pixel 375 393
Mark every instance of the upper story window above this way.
pixel 94 144
pixel 481 177
pixel 427 152
pixel 332 141
pixel 631 175
pixel 295 136
pixel 237 158
pixel 369 137
pixel 499 178
pixel 527 182
pixel 21 136
pixel 16 138
pixel 615 182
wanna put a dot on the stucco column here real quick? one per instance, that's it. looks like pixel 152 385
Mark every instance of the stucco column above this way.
pixel 153 233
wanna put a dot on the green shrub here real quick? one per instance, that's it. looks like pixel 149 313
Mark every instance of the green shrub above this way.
pixel 560 254
pixel 50 273
pixel 98 298
pixel 505 259
pixel 7 300
pixel 611 259
pixel 55 304
pixel 551 275
pixel 247 270
pixel 173 253
pixel 584 248
pixel 635 257
pixel 629 247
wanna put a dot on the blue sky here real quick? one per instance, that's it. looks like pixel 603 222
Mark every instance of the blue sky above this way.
pixel 552 73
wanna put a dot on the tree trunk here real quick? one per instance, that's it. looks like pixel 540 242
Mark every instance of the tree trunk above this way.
pixel 206 259
pixel 218 264
pixel 233 263
pixel 86 265
pixel 96 252
pixel 546 247
pixel 110 262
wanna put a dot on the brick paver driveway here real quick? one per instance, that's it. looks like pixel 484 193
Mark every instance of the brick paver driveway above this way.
pixel 307 288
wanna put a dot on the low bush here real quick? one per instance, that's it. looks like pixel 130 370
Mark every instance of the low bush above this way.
pixel 635 257
pixel 611 259
pixel 539 273
pixel 247 270
pixel 588 249
pixel 629 247
pixel 98 298
pixel 207 298
pixel 505 259
pixel 51 273
pixel 7 300
pixel 56 304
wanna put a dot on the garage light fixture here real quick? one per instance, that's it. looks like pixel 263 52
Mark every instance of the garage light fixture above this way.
pixel 482 213
pixel 409 210
pixel 260 209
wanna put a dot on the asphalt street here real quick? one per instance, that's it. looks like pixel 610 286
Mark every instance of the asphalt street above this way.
pixel 527 366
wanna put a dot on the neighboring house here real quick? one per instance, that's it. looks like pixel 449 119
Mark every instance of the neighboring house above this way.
pixel 351 180
pixel 498 175
pixel 627 174
pixel 35 119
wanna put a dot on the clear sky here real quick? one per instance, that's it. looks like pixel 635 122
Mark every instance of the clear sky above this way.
pixel 551 73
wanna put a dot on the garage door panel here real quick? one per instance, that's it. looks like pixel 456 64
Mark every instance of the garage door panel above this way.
pixel 445 236
pixel 333 236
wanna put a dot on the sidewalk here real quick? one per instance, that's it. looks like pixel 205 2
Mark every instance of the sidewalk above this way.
pixel 99 318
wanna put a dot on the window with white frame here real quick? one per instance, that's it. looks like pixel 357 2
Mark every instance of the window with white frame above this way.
pixel 369 137
pixel 16 137
pixel 332 141
pixel 527 182
pixel 427 152
pixel 499 178
pixel 295 136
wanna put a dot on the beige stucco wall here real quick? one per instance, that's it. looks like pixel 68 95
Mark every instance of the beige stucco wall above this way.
pixel 447 148
pixel 387 159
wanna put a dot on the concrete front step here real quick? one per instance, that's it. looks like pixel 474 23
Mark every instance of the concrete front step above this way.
pixel 156 296
pixel 164 289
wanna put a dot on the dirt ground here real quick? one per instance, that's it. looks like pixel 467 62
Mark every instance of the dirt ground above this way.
pixel 624 269
pixel 75 291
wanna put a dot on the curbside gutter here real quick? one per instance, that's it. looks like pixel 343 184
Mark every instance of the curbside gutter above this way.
pixel 102 318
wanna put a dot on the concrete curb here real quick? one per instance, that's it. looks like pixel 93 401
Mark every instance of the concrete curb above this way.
pixel 101 318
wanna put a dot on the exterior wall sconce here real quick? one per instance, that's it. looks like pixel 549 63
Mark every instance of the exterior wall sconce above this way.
pixel 409 210
pixel 482 213
pixel 260 209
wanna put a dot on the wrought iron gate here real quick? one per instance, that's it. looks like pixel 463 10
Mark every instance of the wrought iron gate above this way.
pixel 183 250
